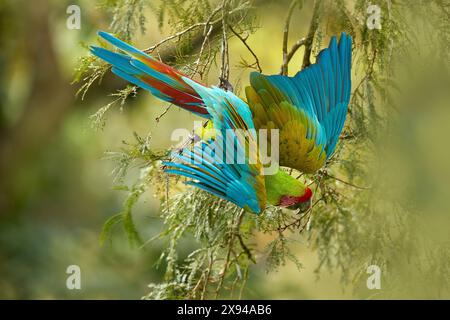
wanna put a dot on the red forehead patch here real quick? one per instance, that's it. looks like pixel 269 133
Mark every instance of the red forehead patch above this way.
pixel 287 201
pixel 306 196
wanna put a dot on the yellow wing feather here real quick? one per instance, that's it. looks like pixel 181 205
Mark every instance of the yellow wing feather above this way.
pixel 296 150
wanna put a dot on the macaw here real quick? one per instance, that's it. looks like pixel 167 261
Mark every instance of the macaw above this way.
pixel 309 110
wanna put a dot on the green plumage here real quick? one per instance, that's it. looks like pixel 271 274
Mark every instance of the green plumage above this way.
pixel 307 111
pixel 298 144
pixel 281 184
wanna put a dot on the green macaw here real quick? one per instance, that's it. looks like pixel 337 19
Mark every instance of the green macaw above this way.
pixel 308 110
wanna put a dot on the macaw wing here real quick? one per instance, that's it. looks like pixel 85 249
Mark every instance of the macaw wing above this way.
pixel 143 70
pixel 221 165
pixel 309 107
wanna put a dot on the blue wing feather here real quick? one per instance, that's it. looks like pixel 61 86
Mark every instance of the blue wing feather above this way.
pixel 141 69
pixel 240 183
pixel 322 90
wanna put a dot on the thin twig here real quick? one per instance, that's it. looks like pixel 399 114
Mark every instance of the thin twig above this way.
pixel 205 24
pixel 368 75
pixel 208 21
pixel 158 118
pixel 245 248
pixel 230 247
pixel 208 273
pixel 284 66
pixel 197 285
pixel 206 34
pixel 244 282
pixel 297 45
pixel 308 222
pixel 244 41
pixel 197 62
pixel 347 183
pixel 224 69
pixel 312 31
pixel 233 286
pixel 173 36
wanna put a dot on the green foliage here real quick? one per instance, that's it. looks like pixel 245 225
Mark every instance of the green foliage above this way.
pixel 220 258
pixel 128 16
pixel 348 225
pixel 98 119
pixel 278 251
pixel 140 154
pixel 88 71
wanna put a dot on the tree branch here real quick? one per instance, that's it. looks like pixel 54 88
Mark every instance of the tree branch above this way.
pixel 225 68
pixel 230 247
pixel 205 24
pixel 244 41
pixel 307 41
pixel 284 66
pixel 347 183
pixel 312 31
pixel 367 76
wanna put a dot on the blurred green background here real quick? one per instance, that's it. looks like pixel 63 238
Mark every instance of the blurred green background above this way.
pixel 56 190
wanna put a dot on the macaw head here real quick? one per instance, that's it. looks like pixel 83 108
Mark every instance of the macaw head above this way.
pixel 301 203
pixel 284 190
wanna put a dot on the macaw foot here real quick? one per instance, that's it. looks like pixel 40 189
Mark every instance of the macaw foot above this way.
pixel 225 85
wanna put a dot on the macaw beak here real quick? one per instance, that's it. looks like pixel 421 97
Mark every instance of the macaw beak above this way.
pixel 303 203
pixel 301 206
pixel 304 206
